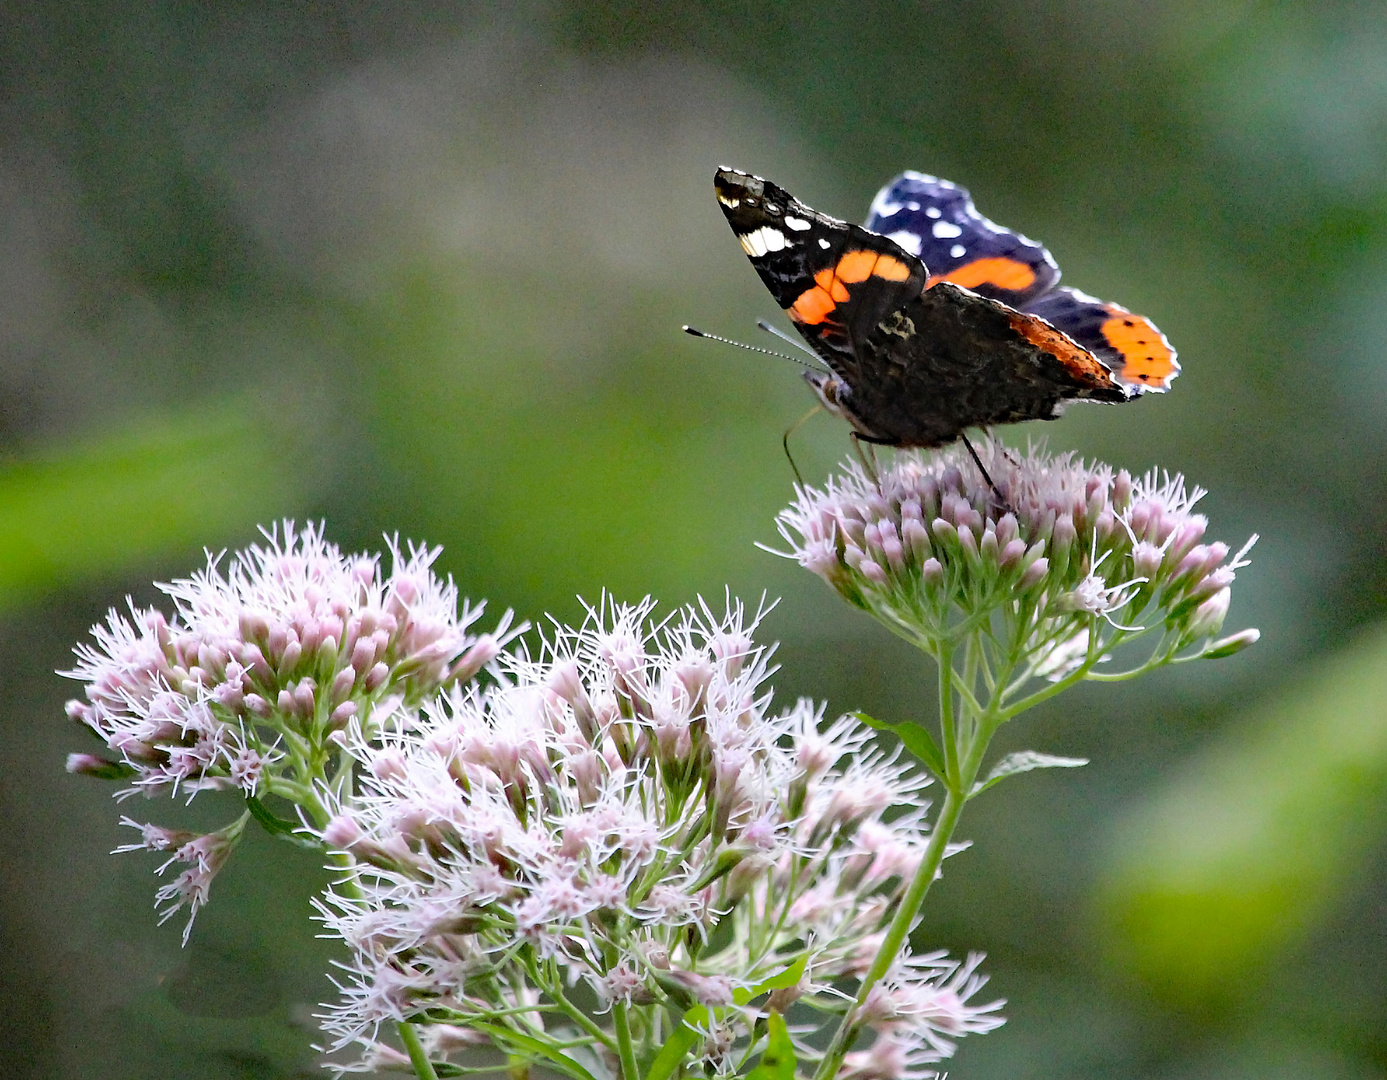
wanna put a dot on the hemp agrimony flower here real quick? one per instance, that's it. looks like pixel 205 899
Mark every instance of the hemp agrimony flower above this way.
pixel 250 683
pixel 1041 573
pixel 621 860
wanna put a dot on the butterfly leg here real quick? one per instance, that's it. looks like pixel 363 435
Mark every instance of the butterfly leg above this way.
pixel 869 457
pixel 1001 500
pixel 785 441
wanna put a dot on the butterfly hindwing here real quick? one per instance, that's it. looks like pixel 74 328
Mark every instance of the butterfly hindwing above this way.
pixel 1129 345
pixel 936 220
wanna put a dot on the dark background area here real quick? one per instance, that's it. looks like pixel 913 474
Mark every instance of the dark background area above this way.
pixel 421 269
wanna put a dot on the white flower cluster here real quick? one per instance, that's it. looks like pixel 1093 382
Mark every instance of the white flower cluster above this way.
pixel 625 821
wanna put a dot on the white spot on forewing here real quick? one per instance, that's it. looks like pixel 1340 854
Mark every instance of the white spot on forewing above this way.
pixel 797 223
pixel 958 251
pixel 824 243
pixel 946 230
pixel 763 240
pixel 731 204
pixel 908 240
pixel 932 211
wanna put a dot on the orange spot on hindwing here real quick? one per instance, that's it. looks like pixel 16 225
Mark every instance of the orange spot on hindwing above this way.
pixel 999 273
pixel 1080 363
pixel 1148 359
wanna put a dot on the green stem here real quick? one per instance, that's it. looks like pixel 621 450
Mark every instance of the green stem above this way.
pixel 1084 671
pixel 899 930
pixel 949 740
pixel 423 1068
pixel 555 992
pixel 623 1036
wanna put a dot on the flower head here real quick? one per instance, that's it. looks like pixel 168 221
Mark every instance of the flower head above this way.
pixel 625 811
pixel 258 670
pixel 294 638
pixel 1074 558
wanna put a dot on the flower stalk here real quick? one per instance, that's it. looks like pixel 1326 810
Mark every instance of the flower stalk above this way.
pixel 1017 592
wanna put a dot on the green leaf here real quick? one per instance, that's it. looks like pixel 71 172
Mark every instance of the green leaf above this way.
pixel 510 1039
pixel 778 1059
pixel 915 739
pixel 681 1040
pixel 789 977
pixel 275 825
pixel 1025 761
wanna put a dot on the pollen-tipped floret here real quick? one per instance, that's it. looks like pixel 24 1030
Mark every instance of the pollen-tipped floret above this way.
pixel 627 811
pixel 1072 555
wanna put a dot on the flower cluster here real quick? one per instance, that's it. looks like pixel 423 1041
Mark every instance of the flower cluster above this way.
pixel 624 820
pixel 1069 559
pixel 259 669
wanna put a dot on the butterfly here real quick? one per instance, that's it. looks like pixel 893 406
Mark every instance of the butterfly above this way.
pixel 933 319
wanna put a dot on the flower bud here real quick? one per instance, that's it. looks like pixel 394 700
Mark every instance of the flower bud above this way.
pixel 1234 643
pixel 1034 574
pixel 484 650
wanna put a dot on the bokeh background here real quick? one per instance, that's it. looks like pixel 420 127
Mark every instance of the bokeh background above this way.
pixel 420 268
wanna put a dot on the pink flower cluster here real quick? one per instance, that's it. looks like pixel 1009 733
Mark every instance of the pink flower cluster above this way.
pixel 1057 544
pixel 626 811
pixel 255 675
pixel 295 639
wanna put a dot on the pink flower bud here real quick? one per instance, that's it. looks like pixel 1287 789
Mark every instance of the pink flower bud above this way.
pixel 1034 573
pixel 363 655
pixel 342 832
pixel 377 676
pixel 342 715
pixel 482 652
pixel 342 684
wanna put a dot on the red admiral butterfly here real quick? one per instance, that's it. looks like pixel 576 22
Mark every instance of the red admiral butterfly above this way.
pixel 934 319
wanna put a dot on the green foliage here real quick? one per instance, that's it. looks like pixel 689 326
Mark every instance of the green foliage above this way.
pixel 1229 866
pixel 161 484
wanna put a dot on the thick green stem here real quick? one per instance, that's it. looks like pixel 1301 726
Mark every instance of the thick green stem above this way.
pixel 423 1068
pixel 899 929
pixel 623 1038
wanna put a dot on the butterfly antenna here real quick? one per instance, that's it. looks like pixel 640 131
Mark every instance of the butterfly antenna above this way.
pixel 771 328
pixel 693 332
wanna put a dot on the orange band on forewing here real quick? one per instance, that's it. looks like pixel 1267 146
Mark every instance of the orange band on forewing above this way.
pixel 832 285
pixel 999 273
pixel 855 266
pixel 890 268
pixel 814 305
pixel 1147 357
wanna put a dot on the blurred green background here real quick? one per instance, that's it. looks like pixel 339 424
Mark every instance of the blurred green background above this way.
pixel 421 268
